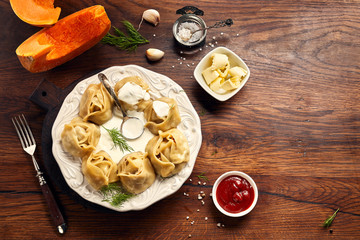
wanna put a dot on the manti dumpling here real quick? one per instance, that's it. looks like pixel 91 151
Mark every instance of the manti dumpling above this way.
pixel 136 172
pixel 99 169
pixel 133 93
pixel 162 114
pixel 96 104
pixel 80 138
pixel 169 152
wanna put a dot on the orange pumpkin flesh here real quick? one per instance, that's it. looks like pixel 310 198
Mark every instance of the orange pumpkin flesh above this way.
pixel 36 12
pixel 68 38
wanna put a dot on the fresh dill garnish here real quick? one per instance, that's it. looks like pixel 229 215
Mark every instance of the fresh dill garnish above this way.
pixel 119 140
pixel 330 219
pixel 120 40
pixel 202 112
pixel 202 176
pixel 114 194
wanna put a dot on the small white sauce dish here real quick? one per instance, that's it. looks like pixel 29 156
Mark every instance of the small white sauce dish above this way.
pixel 234 60
pixel 240 174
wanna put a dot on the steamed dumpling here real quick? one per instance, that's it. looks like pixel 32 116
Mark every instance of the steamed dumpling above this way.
pixel 96 104
pixel 80 138
pixel 99 169
pixel 169 152
pixel 162 114
pixel 136 172
pixel 133 93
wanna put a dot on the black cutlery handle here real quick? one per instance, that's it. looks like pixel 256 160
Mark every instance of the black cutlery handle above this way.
pixel 55 212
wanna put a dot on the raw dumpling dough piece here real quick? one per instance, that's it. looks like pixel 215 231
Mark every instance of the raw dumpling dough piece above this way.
pixel 140 98
pixel 136 172
pixel 80 138
pixel 96 104
pixel 169 152
pixel 99 169
pixel 163 123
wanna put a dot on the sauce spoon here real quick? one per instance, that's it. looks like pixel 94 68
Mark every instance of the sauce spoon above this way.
pixel 134 125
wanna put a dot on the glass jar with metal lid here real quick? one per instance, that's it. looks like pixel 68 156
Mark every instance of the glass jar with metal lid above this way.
pixel 186 28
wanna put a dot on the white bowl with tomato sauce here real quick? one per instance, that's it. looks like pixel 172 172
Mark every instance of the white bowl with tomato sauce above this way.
pixel 235 194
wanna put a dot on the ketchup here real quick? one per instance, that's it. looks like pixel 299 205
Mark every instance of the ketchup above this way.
pixel 235 194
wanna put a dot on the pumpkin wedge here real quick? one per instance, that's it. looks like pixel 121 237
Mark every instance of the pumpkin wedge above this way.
pixel 68 38
pixel 39 13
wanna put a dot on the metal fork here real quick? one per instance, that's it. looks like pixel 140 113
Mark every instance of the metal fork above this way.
pixel 29 145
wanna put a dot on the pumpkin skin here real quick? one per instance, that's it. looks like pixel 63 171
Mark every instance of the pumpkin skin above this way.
pixel 39 13
pixel 68 38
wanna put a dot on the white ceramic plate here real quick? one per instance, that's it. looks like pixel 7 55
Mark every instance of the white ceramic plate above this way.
pixel 161 86
pixel 234 60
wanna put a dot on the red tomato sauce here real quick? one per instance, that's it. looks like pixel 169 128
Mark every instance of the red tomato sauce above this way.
pixel 235 194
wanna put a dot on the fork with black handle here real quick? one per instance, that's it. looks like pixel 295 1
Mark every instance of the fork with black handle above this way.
pixel 29 145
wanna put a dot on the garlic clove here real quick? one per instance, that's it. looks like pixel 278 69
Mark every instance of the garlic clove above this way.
pixel 152 16
pixel 154 54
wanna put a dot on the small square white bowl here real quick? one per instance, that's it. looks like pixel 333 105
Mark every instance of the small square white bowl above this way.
pixel 234 60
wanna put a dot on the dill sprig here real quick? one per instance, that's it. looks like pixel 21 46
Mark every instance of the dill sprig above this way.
pixel 202 176
pixel 119 140
pixel 120 40
pixel 330 219
pixel 114 194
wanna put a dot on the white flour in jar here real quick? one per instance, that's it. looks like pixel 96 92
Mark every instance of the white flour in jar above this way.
pixel 185 31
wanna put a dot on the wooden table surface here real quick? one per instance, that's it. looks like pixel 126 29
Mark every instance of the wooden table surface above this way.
pixel 294 127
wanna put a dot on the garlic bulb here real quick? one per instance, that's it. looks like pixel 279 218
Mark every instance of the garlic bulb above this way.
pixel 154 54
pixel 152 16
